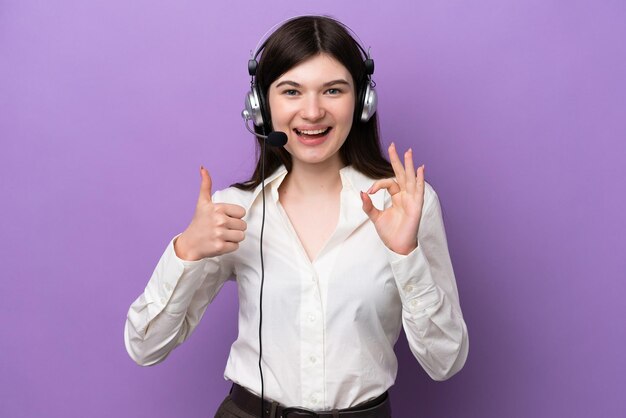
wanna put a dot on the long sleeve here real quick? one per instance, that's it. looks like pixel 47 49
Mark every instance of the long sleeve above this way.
pixel 431 313
pixel 172 304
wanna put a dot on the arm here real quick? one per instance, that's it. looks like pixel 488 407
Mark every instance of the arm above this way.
pixel 411 227
pixel 179 291
pixel 431 313
pixel 172 304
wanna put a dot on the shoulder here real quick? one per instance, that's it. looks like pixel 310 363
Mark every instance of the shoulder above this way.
pixel 246 198
pixel 431 199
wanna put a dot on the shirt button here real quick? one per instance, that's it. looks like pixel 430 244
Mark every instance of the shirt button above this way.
pixel 163 301
pixel 414 303
pixel 168 287
pixel 311 317
pixel 409 288
pixel 313 359
pixel 314 399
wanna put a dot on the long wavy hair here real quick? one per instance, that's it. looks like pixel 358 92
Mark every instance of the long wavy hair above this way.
pixel 293 43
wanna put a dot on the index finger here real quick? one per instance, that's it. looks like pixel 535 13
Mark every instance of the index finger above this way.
pixel 232 210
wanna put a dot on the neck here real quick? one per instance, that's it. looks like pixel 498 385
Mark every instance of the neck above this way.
pixel 314 179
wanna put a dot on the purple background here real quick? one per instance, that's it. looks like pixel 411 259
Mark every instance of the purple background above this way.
pixel 518 110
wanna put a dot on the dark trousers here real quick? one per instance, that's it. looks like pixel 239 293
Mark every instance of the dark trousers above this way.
pixel 228 409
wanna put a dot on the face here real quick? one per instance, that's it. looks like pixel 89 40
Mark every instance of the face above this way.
pixel 313 103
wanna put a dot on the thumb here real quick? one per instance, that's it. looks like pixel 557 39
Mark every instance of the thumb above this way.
pixel 369 208
pixel 205 185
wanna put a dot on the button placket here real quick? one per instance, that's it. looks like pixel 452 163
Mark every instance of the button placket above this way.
pixel 312 348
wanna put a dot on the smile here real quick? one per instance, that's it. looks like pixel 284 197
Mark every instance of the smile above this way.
pixel 313 133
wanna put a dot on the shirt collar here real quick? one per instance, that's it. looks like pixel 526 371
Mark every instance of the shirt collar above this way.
pixel 353 181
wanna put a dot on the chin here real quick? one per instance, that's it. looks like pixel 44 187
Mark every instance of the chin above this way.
pixel 314 157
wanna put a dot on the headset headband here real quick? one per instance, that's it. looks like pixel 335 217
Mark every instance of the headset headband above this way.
pixel 252 63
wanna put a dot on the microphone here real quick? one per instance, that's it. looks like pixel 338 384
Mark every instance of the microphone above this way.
pixel 274 139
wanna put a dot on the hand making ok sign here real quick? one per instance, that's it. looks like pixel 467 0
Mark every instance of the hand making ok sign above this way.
pixel 398 224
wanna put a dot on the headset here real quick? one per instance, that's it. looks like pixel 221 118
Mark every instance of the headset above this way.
pixel 255 102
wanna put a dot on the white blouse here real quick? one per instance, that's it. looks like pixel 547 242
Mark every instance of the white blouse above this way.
pixel 329 326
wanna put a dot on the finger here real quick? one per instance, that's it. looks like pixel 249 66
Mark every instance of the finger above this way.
pixel 420 179
pixel 229 247
pixel 368 207
pixel 233 236
pixel 389 184
pixel 225 247
pixel 232 210
pixel 408 165
pixel 236 224
pixel 205 185
pixel 397 166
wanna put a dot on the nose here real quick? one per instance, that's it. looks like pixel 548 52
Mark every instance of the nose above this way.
pixel 312 108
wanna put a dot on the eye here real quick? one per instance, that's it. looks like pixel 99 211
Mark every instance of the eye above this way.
pixel 333 91
pixel 290 92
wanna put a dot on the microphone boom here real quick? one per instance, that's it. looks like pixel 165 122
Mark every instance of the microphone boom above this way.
pixel 274 139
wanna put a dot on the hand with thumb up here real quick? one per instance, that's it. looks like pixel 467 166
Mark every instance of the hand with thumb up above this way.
pixel 216 228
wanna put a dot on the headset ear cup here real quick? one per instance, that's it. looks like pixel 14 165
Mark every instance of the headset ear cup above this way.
pixel 358 111
pixel 253 107
pixel 264 116
pixel 369 102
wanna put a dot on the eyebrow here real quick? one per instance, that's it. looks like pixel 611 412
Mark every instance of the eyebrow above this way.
pixel 330 83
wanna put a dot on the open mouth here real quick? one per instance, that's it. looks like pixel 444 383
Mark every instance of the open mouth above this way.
pixel 314 133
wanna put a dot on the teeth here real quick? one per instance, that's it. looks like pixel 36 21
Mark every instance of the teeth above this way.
pixel 313 132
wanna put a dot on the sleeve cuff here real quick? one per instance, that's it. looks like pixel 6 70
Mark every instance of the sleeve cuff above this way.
pixel 414 280
pixel 175 280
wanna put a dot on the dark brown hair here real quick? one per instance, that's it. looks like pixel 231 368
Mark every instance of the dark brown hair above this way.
pixel 293 43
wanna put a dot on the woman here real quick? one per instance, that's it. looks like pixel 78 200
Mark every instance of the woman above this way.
pixel 355 248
